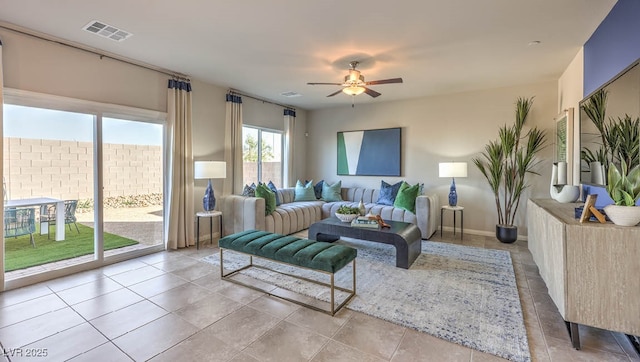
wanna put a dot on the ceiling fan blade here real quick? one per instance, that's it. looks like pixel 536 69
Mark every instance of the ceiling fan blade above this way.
pixel 333 94
pixel 324 83
pixel 384 81
pixel 371 92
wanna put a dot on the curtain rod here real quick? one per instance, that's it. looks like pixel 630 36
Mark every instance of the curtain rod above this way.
pixel 231 90
pixel 52 39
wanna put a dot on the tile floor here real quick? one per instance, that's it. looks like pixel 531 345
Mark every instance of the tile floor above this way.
pixel 170 306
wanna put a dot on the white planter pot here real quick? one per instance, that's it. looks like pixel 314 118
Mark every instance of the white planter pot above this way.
pixel 623 215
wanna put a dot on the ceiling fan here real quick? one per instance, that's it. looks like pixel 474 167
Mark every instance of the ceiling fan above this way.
pixel 354 83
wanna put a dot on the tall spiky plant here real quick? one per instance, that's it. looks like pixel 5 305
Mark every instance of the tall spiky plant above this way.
pixel 596 108
pixel 506 161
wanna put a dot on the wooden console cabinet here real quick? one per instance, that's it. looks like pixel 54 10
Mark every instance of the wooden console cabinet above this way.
pixel 592 270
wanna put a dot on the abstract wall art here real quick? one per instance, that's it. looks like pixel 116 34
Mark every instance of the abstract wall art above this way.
pixel 370 153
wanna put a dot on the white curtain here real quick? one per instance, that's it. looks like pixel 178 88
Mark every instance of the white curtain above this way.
pixel 1 168
pixel 180 221
pixel 233 145
pixel 289 135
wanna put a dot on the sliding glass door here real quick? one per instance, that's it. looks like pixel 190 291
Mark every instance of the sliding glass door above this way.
pixel 132 180
pixel 80 187
pixel 48 180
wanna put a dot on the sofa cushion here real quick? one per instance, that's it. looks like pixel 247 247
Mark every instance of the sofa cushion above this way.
pixel 406 198
pixel 388 193
pixel 332 193
pixel 273 188
pixel 269 198
pixel 317 189
pixel 304 192
pixel 249 191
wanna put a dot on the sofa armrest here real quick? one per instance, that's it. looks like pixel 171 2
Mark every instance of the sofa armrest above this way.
pixel 427 207
pixel 241 213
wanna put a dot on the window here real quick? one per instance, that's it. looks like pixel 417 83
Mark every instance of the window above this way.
pixel 261 155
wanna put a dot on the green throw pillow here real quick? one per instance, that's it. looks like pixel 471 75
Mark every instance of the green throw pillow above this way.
pixel 331 193
pixel 304 192
pixel 269 197
pixel 406 198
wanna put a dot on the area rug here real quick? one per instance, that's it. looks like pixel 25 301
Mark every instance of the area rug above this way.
pixel 462 294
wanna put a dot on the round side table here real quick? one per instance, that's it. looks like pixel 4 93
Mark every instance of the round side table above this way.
pixel 453 209
pixel 210 215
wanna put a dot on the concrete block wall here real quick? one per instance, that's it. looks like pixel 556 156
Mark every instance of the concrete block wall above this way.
pixel 271 171
pixel 64 169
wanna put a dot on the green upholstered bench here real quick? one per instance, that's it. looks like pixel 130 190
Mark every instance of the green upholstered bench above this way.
pixel 323 257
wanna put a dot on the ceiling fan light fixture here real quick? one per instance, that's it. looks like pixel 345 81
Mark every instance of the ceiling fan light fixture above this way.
pixel 353 90
pixel 353 77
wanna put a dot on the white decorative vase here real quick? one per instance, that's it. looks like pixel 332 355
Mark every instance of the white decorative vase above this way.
pixel 558 190
pixel 623 215
pixel 597 173
pixel 362 208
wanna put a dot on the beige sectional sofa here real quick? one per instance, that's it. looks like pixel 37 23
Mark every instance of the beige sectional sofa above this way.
pixel 244 213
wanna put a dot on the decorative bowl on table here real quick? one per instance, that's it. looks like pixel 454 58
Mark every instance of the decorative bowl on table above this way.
pixel 346 217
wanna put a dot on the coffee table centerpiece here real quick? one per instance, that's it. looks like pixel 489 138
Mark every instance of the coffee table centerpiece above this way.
pixel 347 214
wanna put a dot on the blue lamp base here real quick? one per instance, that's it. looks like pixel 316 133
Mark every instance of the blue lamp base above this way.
pixel 453 196
pixel 209 199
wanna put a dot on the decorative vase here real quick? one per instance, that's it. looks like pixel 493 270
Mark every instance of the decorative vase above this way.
pixel 453 195
pixel 507 233
pixel 363 211
pixel 623 215
pixel 209 199
pixel 597 173
pixel 558 190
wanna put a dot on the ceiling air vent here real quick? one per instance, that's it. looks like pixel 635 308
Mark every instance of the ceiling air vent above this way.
pixel 106 30
pixel 291 94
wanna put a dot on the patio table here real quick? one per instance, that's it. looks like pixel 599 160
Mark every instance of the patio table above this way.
pixel 38 201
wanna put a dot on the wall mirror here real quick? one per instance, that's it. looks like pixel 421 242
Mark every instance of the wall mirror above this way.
pixel 564 142
pixel 623 98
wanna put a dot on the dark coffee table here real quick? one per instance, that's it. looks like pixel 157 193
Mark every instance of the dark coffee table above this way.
pixel 404 236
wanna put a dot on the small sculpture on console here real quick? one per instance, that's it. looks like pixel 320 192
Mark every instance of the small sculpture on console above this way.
pixel 559 189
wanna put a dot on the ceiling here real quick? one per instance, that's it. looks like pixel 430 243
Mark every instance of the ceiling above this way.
pixel 264 48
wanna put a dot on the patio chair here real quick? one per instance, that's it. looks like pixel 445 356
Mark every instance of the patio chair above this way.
pixel 19 222
pixel 48 215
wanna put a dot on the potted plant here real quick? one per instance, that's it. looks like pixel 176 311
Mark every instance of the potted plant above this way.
pixel 505 164
pixel 619 137
pixel 623 186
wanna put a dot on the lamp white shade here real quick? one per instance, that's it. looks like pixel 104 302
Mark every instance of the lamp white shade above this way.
pixel 210 169
pixel 453 169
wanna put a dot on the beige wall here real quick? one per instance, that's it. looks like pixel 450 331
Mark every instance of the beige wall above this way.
pixel 46 67
pixel 41 66
pixel 438 129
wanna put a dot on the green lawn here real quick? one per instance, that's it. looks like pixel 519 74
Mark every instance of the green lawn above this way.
pixel 19 253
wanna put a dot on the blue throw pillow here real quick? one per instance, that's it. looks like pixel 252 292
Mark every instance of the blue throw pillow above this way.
pixel 387 195
pixel 317 189
pixel 304 192
pixel 331 193
pixel 249 191
pixel 273 188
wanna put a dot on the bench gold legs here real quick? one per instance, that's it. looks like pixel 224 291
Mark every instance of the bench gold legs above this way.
pixel 331 311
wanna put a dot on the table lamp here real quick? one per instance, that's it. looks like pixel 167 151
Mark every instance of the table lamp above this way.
pixel 453 170
pixel 209 170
